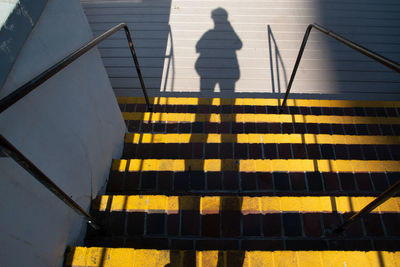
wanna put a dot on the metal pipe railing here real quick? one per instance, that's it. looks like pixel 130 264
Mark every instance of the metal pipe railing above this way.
pixel 388 193
pixel 28 87
pixel 12 152
pixel 381 59
pixel 8 149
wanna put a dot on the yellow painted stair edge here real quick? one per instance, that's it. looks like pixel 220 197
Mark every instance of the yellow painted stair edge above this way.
pixel 256 118
pixel 149 138
pixel 257 102
pixel 247 205
pixel 96 256
pixel 256 165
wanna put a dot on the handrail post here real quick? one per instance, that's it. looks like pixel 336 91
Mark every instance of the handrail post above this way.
pixel 296 66
pixel 12 152
pixel 388 193
pixel 131 47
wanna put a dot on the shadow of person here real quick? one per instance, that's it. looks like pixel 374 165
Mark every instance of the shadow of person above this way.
pixel 217 62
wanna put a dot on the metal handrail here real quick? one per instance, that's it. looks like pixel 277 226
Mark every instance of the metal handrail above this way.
pixel 28 87
pixel 394 189
pixel 8 149
pixel 381 59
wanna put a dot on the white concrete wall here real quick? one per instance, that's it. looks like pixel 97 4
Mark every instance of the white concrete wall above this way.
pixel 70 127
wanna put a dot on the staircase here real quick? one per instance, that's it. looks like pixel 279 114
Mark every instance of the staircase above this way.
pixel 230 182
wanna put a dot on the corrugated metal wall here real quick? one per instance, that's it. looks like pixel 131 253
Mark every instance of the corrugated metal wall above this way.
pixel 184 46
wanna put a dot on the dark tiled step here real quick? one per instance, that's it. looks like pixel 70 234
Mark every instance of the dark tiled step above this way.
pixel 284 128
pixel 299 183
pixel 228 109
pixel 233 230
pixel 260 151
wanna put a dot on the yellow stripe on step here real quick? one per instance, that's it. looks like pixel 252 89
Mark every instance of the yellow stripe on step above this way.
pixel 257 102
pixel 256 118
pixel 148 138
pixel 99 256
pixel 256 165
pixel 247 205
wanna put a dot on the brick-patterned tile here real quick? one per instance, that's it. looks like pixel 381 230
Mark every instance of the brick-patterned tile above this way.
pixel 347 181
pixel 393 177
pixel 171 151
pixel 395 151
pixel 294 110
pixel 298 181
pixel 116 224
pixel 272 109
pixel 129 150
pixel 348 111
pixel 261 109
pixel 249 181
pixel 159 127
pixel 350 129
pixel 210 225
pixel 275 128
pixel 383 152
pixel 133 126
pixel 327 151
pixel 264 181
pixel 165 181
pixel 252 225
pixel 226 109
pixel 270 151
pixel 374 129
pixel 331 220
pixel 181 181
pixel 284 151
pixel 210 127
pixel 386 244
pixel 146 127
pixel 331 181
pixel 355 152
pixel 149 181
pixel 198 127
pixel 157 151
pixel 250 127
pixel 224 127
pixel 231 181
pixel 172 127
pixel 184 127
pixel 300 128
pixel 299 151
pixel 386 129
pixel 271 224
pixel 337 129
pixel 240 151
pixel 135 224
pixel 197 180
pixel 156 224
pixel 237 127
pixel 226 150
pixel 380 182
pixel 262 128
pixel 173 222
pixel 313 151
pixel 312 224
pixel 287 128
pixel 363 181
pixel 312 128
pixel 292 224
pixel 368 152
pixel 354 230
pixel 230 223
pixel 325 128
pixel 132 180
pixel 143 151
pixel 115 183
pixel 255 151
pixel 184 151
pixel 198 150
pixel 391 222
pixel 212 151
pixel 192 109
pixel 190 224
pixel 214 181
pixel 281 181
pixel 314 180
pixel 305 110
pixel 341 151
pixel 373 225
pixel 170 108
pixel 362 129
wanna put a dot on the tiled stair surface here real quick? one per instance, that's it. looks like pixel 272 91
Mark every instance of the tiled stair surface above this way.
pixel 233 182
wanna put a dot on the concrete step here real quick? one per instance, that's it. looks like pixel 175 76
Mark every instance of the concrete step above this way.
pixel 97 256
pixel 232 222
